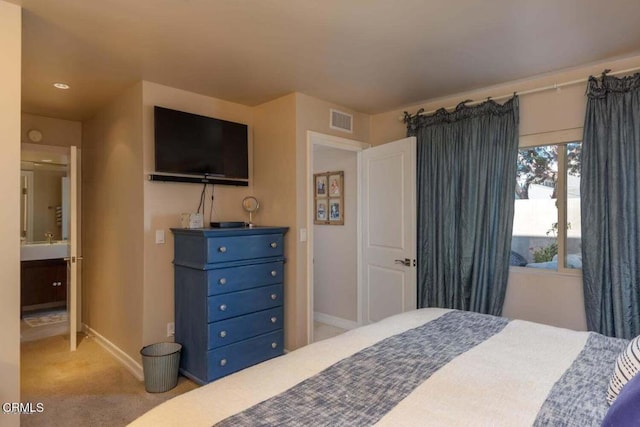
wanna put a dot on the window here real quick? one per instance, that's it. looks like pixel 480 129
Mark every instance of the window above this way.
pixel 547 208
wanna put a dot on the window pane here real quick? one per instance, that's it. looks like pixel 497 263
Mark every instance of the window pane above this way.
pixel 574 233
pixel 535 223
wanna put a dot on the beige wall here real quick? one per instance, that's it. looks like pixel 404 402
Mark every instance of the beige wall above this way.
pixel 10 58
pixel 335 247
pixel 127 276
pixel 164 202
pixel 313 114
pixel 277 133
pixel 62 133
pixel 112 218
pixel 275 187
pixel 552 298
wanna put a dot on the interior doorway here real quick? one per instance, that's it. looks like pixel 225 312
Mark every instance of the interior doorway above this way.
pixel 333 276
pixel 49 238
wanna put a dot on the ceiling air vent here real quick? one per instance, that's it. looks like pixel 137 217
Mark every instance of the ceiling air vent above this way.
pixel 341 121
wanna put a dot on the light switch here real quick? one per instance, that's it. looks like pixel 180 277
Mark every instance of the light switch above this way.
pixel 303 234
pixel 159 236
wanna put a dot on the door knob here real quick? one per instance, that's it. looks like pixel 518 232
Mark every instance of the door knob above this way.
pixel 406 262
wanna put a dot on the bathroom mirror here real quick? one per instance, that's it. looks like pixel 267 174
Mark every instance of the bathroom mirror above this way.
pixel 44 189
pixel 250 204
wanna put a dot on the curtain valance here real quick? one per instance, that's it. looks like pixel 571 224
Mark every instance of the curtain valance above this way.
pixel 461 112
pixel 600 87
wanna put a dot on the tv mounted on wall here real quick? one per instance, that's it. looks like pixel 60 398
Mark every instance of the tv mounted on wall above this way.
pixel 209 149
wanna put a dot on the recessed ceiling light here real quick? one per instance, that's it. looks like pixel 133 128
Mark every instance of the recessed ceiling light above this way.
pixel 61 86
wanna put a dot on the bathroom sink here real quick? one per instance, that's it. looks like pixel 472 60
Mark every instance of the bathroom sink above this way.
pixel 44 250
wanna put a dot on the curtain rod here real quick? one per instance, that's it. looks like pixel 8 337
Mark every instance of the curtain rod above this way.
pixel 538 89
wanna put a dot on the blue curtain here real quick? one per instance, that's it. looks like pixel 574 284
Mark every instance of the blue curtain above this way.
pixel 610 193
pixel 466 185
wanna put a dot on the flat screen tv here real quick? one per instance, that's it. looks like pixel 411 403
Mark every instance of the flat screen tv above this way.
pixel 190 144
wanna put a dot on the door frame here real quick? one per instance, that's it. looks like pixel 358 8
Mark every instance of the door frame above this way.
pixel 74 279
pixel 316 138
pixel 74 291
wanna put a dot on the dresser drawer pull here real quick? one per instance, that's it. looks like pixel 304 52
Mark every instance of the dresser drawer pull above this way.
pixel 274 296
pixel 223 334
pixel 222 249
pixel 223 362
pixel 274 319
pixel 274 273
pixel 274 344
pixel 222 281
pixel 273 245
pixel 223 307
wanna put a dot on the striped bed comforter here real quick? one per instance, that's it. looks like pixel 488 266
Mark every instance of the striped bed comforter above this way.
pixel 427 367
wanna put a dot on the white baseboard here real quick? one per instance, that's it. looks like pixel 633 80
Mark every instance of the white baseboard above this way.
pixel 127 361
pixel 334 321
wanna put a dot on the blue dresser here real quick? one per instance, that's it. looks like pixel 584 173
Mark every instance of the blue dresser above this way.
pixel 228 298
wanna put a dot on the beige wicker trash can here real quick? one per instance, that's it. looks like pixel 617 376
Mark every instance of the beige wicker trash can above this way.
pixel 160 364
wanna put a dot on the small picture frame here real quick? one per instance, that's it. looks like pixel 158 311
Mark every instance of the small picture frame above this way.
pixel 321 211
pixel 321 185
pixel 335 211
pixel 329 198
pixel 335 185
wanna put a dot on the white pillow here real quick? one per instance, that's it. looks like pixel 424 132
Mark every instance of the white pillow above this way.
pixel 627 366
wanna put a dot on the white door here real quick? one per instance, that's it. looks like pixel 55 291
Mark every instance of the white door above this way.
pixel 389 229
pixel 73 296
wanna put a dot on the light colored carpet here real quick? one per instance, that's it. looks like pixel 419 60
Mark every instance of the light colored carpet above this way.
pixel 322 331
pixel 87 387
pixel 29 333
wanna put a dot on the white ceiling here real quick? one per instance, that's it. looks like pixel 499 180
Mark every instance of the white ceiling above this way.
pixel 368 55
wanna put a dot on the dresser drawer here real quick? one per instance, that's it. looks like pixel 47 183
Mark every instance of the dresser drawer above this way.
pixel 233 279
pixel 231 358
pixel 223 249
pixel 228 331
pixel 225 306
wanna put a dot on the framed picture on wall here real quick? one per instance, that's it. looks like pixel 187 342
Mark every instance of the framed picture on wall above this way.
pixel 335 211
pixel 321 211
pixel 329 198
pixel 335 185
pixel 321 185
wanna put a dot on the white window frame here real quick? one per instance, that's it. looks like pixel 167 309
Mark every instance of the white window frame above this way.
pixel 562 137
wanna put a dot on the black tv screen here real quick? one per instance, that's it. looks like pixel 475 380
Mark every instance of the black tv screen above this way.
pixel 190 144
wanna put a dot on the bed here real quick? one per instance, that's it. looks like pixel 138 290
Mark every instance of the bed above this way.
pixel 425 367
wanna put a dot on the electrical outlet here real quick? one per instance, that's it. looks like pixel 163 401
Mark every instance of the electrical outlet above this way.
pixel 171 329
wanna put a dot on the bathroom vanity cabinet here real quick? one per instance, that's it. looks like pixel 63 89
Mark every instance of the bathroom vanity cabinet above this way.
pixel 43 284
